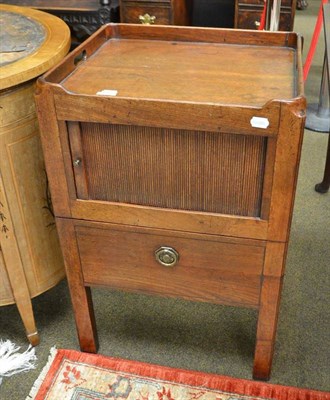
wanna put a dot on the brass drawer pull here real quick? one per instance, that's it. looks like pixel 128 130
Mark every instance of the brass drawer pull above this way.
pixel 167 256
pixel 147 19
pixel 77 162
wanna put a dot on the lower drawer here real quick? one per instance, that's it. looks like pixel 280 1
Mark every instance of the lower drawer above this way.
pixel 212 269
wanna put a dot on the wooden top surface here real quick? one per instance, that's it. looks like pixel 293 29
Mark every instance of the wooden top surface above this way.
pixel 45 46
pixel 197 72
pixel 194 72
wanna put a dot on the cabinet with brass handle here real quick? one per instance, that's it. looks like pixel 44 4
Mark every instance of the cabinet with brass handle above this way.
pixel 248 14
pixel 149 12
pixel 188 174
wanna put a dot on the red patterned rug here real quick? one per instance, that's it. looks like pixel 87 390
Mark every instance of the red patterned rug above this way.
pixel 71 375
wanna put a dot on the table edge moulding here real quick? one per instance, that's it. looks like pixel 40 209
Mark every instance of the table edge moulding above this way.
pixel 30 257
pixel 148 217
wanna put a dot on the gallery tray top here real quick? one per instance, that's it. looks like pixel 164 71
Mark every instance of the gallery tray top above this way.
pixel 184 64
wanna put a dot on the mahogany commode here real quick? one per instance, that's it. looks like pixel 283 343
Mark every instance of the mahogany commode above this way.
pixel 172 155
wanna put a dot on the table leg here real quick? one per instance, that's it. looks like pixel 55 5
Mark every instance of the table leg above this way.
pixel 24 306
pixel 266 331
pixel 21 293
pixel 15 270
pixel 80 294
pixel 323 186
pixel 269 308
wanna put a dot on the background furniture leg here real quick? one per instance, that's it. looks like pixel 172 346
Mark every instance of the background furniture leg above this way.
pixel 21 294
pixel 318 115
pixel 19 285
pixel 323 186
pixel 80 295
pixel 24 306
pixel 15 270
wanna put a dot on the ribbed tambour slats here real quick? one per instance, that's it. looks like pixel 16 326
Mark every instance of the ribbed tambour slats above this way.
pixel 200 171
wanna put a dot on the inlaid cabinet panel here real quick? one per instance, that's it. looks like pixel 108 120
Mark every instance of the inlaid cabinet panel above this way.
pixel 30 256
pixel 6 293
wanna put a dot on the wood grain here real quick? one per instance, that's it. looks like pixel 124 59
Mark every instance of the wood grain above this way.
pixel 210 270
pixel 25 185
pixel 162 113
pixel 185 170
pixel 201 35
pixel 181 220
pixel 267 325
pixel 14 269
pixel 173 160
pixel 130 11
pixel 6 293
pixel 248 14
pixel 287 159
pixel 51 145
pixel 208 73
pixel 80 295
pixel 78 160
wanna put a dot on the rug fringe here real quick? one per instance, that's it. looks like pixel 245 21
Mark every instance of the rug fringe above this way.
pixel 12 362
pixel 36 386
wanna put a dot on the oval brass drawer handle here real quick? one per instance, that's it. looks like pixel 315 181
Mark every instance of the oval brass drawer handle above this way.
pixel 147 19
pixel 167 256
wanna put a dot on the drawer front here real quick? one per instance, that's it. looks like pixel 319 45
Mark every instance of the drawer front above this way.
pixel 225 271
pixel 287 3
pixel 130 12
pixel 249 18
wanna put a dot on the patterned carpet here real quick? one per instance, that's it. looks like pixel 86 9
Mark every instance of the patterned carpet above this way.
pixel 72 375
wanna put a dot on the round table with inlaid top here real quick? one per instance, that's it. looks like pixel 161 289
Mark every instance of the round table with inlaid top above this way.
pixel 31 42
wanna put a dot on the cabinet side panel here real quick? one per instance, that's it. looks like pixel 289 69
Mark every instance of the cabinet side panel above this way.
pixel 176 169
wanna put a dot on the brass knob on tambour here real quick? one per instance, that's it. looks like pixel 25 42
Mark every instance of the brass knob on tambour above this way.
pixel 147 19
pixel 77 162
pixel 167 256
